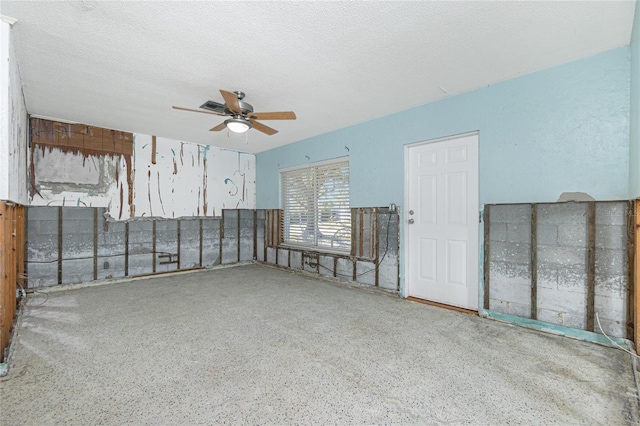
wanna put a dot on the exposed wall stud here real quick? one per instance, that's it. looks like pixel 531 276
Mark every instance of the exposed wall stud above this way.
pixel 95 243
pixel 238 212
pixel 179 237
pixel 631 214
pixel 486 217
pixel 126 249
pixel 153 150
pixel 534 261
pixel 591 265
pixel 59 245
pixel 154 239
pixel 636 274
pixel 200 241
pixel 255 234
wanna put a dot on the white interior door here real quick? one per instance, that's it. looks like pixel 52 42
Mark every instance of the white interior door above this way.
pixel 441 213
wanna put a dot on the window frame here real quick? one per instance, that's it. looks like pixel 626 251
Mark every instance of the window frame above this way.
pixel 316 247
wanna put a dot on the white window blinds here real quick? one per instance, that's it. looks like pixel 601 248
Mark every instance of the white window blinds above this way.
pixel 315 203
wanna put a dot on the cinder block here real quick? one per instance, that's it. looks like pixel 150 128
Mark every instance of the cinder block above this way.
pixel 497 231
pixel 511 213
pixel 283 257
pixel 611 285
pixel 547 277
pixel 547 234
pixel 511 273
pixel 520 310
pixel 271 255
pixel 611 308
pixel 572 279
pixel 562 301
pixel 563 256
pixel 326 266
pixel 547 315
pixel 508 292
pixel 388 273
pixel 574 321
pixel 510 252
pixel 77 213
pixel 611 237
pixel 42 213
pixel 555 214
pixel 611 262
pixel 498 306
pixel 365 272
pixel 611 213
pixel 519 233
pixel 344 270
pixel 574 235
pixel 296 259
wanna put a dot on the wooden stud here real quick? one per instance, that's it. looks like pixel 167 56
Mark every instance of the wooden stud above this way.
pixel 178 236
pixel 200 237
pixel 486 217
pixel 591 264
pixel 154 245
pixel 631 214
pixel 534 261
pixel 5 280
pixel 354 240
pixel 376 239
pixel 25 237
pixel 59 245
pixel 153 149
pixel 265 233
pixel 361 232
pixel 255 234
pixel 238 233
pixel 95 243
pixel 126 249
pixel 636 274
pixel 220 236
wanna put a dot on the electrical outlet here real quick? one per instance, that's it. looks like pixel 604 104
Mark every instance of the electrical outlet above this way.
pixel 20 293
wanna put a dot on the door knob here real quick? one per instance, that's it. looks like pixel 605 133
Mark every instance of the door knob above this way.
pixel 410 211
pixel 411 221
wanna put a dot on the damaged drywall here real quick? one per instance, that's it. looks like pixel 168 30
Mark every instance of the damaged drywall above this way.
pixel 190 179
pixel 135 175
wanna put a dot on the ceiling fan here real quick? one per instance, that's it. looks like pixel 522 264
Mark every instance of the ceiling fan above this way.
pixel 242 117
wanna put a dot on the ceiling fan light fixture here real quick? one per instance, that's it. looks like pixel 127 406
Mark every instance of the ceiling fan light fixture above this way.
pixel 238 124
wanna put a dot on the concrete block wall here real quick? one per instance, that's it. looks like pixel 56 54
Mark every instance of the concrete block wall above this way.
pixel 510 259
pixel 79 244
pixel 561 293
pixel 345 266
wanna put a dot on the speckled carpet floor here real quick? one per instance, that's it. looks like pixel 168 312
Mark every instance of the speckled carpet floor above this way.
pixel 256 345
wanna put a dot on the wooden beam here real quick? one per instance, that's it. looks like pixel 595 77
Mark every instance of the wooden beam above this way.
pixel 636 275
pixel 486 217
pixel 153 150
pixel 5 324
pixel 534 261
pixel 591 265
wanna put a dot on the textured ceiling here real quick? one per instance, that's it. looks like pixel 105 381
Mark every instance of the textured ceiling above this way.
pixel 122 65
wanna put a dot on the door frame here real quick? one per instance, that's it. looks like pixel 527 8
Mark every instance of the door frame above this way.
pixel 404 217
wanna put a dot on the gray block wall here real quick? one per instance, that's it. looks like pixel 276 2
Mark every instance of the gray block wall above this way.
pixel 562 255
pixel 94 247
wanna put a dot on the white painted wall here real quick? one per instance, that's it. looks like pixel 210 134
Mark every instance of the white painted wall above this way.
pixel 190 179
pixel 13 124
pixel 187 180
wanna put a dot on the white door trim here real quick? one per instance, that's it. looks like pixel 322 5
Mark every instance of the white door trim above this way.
pixel 406 291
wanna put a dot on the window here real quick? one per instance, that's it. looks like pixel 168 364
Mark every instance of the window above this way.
pixel 315 203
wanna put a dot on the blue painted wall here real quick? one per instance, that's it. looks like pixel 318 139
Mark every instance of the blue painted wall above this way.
pixel 634 139
pixel 561 129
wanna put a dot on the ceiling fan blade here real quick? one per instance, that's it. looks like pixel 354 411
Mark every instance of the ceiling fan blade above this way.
pixel 196 110
pixel 282 115
pixel 219 127
pixel 231 99
pixel 262 128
